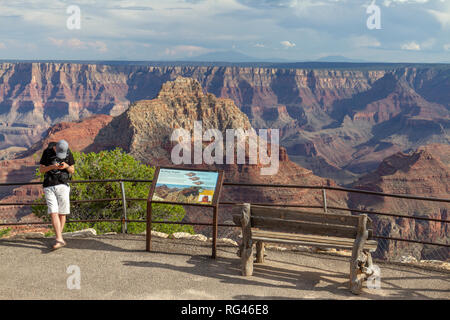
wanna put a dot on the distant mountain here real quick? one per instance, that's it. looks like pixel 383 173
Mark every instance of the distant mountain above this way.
pixel 339 59
pixel 229 56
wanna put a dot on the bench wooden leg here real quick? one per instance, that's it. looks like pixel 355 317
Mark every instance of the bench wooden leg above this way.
pixel 260 252
pixel 247 243
pixel 358 257
pixel 247 261
pixel 356 275
pixel 367 267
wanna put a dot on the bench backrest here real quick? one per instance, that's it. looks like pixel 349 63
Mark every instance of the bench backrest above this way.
pixel 292 221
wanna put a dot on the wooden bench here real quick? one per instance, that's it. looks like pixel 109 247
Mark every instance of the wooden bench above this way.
pixel 323 230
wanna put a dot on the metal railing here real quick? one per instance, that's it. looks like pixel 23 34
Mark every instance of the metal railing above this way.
pixel 325 207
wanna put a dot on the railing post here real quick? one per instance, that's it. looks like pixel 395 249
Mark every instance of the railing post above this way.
pixel 124 208
pixel 324 198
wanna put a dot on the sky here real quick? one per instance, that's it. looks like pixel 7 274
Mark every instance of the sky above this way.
pixel 293 30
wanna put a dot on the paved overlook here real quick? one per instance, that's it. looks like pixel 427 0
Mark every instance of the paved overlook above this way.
pixel 117 267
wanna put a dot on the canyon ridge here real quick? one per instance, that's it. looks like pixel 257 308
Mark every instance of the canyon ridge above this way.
pixel 338 121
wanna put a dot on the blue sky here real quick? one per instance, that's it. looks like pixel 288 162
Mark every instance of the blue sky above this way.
pixel 297 30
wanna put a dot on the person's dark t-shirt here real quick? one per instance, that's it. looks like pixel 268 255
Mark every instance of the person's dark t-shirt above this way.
pixel 55 177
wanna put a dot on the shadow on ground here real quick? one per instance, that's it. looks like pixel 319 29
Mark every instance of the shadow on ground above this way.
pixel 45 245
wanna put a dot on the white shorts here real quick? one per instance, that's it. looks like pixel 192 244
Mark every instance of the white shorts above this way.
pixel 58 200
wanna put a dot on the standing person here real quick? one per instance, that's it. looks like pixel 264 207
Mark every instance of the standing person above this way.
pixel 58 165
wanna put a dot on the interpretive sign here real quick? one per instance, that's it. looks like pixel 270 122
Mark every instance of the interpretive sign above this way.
pixel 185 186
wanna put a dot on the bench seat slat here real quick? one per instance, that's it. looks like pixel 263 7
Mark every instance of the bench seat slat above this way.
pixel 290 214
pixel 309 240
pixel 316 228
pixel 293 236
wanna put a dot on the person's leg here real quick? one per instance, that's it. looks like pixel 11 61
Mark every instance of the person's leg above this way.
pixel 63 196
pixel 62 220
pixel 56 222
pixel 52 204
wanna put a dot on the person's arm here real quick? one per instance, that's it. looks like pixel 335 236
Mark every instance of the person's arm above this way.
pixel 44 169
pixel 70 163
pixel 70 169
pixel 44 164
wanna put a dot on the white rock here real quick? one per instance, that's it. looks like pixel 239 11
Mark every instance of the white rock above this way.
pixel 180 235
pixel 302 249
pixel 185 235
pixel 225 241
pixel 156 234
pixel 432 261
pixel 407 259
pixel 329 250
pixel 199 237
pixel 30 235
pixel 277 248
pixel 81 233
pixel 346 253
pixel 159 234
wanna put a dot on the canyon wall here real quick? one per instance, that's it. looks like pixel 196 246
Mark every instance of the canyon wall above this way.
pixel 348 119
pixel 424 172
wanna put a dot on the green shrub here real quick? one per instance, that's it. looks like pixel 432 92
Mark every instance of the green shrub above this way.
pixel 114 164
pixel 4 232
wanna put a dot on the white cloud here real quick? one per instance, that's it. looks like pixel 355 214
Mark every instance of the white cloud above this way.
pixel 99 46
pixel 77 44
pixel 387 3
pixel 184 28
pixel 185 50
pixel 287 44
pixel 428 44
pixel 56 42
pixel 447 47
pixel 365 42
pixel 412 46
pixel 442 17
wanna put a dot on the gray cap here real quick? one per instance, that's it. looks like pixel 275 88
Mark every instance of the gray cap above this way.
pixel 61 149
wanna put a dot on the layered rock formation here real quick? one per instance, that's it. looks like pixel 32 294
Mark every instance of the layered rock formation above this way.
pixel 425 172
pixel 348 119
pixel 79 135
pixel 145 129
